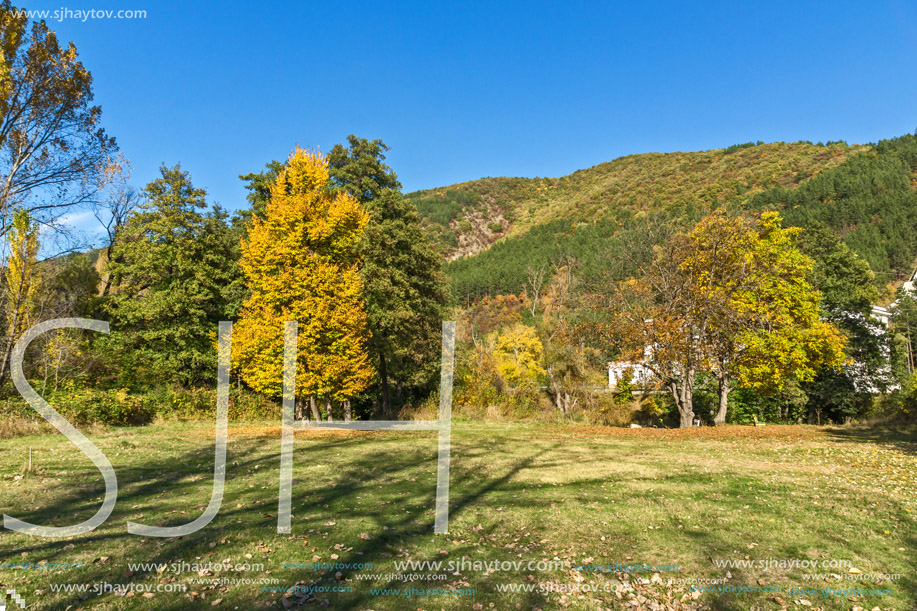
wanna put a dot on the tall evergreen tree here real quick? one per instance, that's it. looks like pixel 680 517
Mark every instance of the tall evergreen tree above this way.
pixel 847 291
pixel 360 168
pixel 404 289
pixel 169 275
pixel 259 188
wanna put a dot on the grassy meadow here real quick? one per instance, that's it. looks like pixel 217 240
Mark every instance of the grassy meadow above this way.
pixel 674 505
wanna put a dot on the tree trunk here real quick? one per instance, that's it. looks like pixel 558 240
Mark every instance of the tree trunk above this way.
pixel 314 407
pixel 564 400
pixel 348 415
pixel 910 353
pixel 720 418
pixel 558 398
pixel 328 409
pixel 8 344
pixel 383 383
pixel 683 393
pixel 108 252
pixel 299 411
pixel 11 331
pixel 571 402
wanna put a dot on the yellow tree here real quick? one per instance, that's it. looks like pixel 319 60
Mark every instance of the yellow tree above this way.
pixel 300 263
pixel 730 298
pixel 53 150
pixel 518 354
pixel 761 315
pixel 22 283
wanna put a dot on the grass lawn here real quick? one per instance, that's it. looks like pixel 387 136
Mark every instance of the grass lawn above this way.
pixel 683 503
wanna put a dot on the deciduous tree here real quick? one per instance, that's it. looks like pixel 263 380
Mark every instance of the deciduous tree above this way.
pixel 764 317
pixel 53 151
pixel 300 261
pixel 518 354
pixel 730 298
pixel 21 286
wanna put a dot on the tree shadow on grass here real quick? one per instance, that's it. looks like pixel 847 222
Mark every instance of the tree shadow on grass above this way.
pixel 719 542
pixel 381 484
pixel 248 514
pixel 903 438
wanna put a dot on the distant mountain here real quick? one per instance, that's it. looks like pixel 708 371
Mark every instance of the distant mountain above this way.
pixel 493 230
pixel 468 217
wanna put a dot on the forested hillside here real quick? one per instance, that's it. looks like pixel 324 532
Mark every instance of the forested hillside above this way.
pixel 866 194
pixel 468 217
pixel 870 201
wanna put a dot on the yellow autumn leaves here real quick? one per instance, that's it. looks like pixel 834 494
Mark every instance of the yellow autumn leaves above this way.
pixel 22 277
pixel 518 354
pixel 301 263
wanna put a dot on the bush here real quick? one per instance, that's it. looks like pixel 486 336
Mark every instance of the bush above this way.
pixel 649 409
pixel 624 389
pixel 901 405
pixel 89 406
pixel 201 404
pixel 117 407
pixel 16 426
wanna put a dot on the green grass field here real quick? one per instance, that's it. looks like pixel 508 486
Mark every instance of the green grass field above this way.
pixel 691 500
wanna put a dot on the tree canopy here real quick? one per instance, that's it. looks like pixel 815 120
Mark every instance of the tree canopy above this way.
pixel 300 262
pixel 53 150
pixel 170 276
pixel 403 288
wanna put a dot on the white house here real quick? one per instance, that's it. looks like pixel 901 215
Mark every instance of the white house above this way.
pixel 641 374
pixel 911 285
pixel 881 314
pixel 617 369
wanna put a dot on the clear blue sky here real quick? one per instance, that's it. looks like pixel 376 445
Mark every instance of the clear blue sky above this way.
pixel 465 90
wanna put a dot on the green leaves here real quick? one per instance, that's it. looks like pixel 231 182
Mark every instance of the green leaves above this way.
pixel 172 273
pixel 359 169
pixel 403 287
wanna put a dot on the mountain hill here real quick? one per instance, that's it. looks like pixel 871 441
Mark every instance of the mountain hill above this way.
pixel 492 231
pixel 467 218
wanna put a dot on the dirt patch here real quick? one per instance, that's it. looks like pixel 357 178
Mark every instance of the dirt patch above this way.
pixel 481 235
pixel 242 432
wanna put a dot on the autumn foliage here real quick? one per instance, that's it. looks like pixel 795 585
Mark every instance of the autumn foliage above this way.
pixel 300 263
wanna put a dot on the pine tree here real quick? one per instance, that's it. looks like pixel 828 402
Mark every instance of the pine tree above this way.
pixel 300 260
pixel 404 288
pixel 169 275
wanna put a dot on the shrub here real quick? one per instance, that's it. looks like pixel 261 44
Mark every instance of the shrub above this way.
pixel 624 389
pixel 88 406
pixel 16 426
pixel 901 405
pixel 201 403
pixel 117 407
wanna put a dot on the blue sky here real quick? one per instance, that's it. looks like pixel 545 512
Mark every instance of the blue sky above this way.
pixel 465 90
